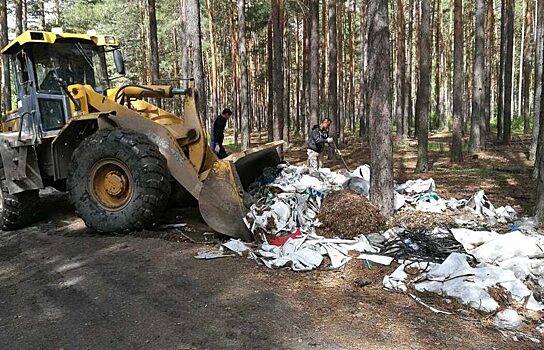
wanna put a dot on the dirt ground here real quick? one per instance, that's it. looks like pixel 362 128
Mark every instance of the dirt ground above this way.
pixel 63 286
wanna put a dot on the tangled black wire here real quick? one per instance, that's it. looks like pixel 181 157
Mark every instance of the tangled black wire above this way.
pixel 423 245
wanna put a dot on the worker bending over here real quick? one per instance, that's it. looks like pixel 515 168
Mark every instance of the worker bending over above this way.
pixel 218 133
pixel 319 136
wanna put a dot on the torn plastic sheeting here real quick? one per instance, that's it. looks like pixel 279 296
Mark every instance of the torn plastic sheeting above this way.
pixel 416 186
pixel 508 319
pixel 455 278
pixel 237 246
pixel 362 172
pixel 378 259
pixel 359 186
pixel 470 239
pixel 301 253
pixel 294 179
pixel 399 201
pixel 396 280
pixel 286 213
pixel 430 203
pixel 506 213
pixel 212 255
pixel 507 246
pixel 480 204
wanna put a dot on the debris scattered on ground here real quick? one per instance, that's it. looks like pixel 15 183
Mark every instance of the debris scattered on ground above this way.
pixel 362 282
pixel 447 247
pixel 508 319
pixel 214 254
pixel 346 214
pixel 422 245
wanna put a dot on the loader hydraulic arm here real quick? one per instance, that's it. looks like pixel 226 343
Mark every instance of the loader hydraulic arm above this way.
pixel 149 91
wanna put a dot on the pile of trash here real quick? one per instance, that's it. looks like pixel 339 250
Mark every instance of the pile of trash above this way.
pixel 442 246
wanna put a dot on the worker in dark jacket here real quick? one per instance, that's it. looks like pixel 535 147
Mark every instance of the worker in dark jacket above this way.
pixel 319 136
pixel 218 133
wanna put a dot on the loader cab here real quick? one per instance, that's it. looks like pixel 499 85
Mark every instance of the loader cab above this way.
pixel 44 65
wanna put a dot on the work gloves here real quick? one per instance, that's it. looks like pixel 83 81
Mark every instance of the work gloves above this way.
pixel 330 140
pixel 217 148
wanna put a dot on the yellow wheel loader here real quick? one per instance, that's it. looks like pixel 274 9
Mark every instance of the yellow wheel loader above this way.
pixel 118 156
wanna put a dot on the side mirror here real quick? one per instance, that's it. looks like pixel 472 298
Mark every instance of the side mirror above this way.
pixel 119 62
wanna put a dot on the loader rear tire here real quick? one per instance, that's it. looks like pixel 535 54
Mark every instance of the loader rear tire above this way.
pixel 16 210
pixel 118 181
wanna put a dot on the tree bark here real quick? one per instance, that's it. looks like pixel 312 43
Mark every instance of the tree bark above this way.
pixel 333 73
pixel 214 92
pixel 379 73
pixel 6 81
pixel 539 208
pixel 438 55
pixel 277 68
pixel 424 88
pixel 478 119
pixel 539 62
pixel 508 63
pixel 153 45
pixel 18 17
pixel 363 130
pixel 527 53
pixel 314 63
pixel 244 101
pixel 194 38
pixel 408 103
pixel 401 70
pixel 457 139
pixel 270 106
pixel 341 95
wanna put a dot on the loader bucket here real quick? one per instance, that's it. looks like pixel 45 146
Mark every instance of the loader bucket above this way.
pixel 221 200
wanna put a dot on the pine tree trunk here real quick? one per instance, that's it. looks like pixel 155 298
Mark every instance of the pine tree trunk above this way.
pixel 424 88
pixel 278 78
pixel 362 73
pixel 194 36
pixel 508 66
pixel 41 13
pixel 244 97
pixel 6 81
pixel 457 139
pixel 314 63
pixel 539 62
pixel 153 45
pixel 341 95
pixel 270 75
pixel 539 208
pixel 214 93
pixel 408 103
pixel 401 69
pixel 333 73
pixel 477 127
pixel 18 17
pixel 379 78
pixel 438 55
pixel 490 52
pixel 528 51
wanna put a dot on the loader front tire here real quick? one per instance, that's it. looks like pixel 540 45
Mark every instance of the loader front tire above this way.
pixel 16 210
pixel 118 181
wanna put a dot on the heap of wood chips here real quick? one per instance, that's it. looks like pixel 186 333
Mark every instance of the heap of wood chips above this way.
pixel 417 220
pixel 347 214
